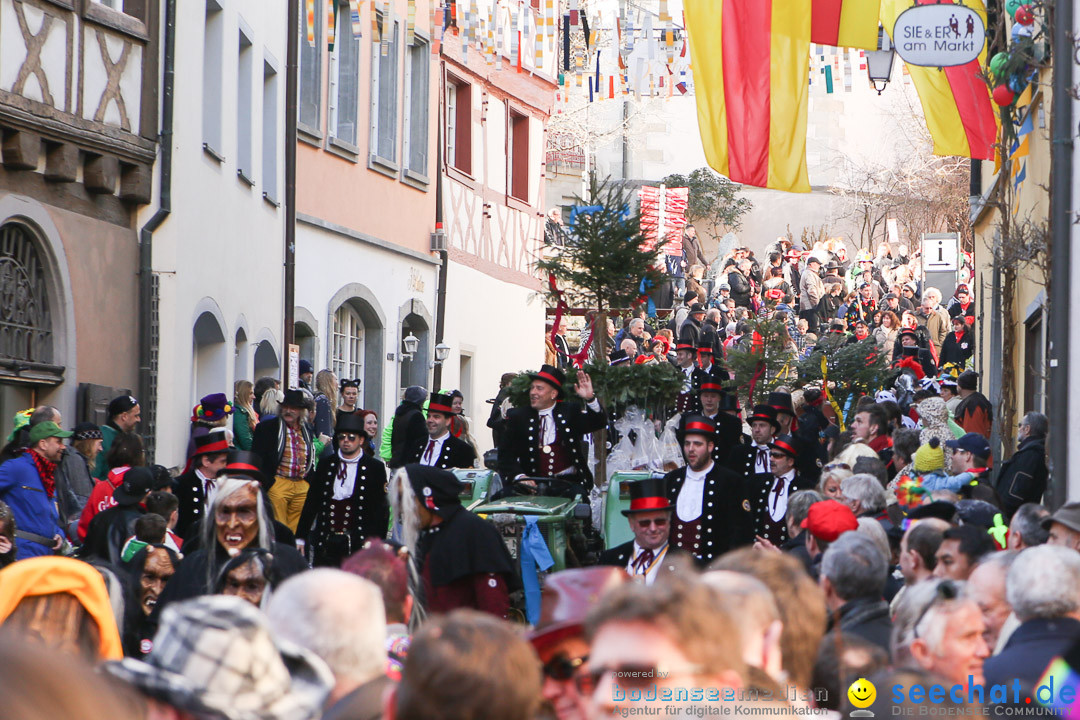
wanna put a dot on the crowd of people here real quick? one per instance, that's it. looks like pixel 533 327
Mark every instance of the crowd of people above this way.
pixel 307 563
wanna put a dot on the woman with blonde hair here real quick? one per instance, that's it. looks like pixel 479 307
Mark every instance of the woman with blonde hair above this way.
pixel 326 403
pixel 244 416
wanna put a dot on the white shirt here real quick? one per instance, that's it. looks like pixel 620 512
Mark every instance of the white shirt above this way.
pixel 208 492
pixel 343 487
pixel 692 495
pixel 436 451
pixel 547 426
pixel 778 503
pixel 761 466
pixel 650 571
pixel 687 378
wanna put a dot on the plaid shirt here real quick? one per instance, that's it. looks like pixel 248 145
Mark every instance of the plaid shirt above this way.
pixel 294 456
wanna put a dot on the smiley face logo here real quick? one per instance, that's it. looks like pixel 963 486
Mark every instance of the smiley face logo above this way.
pixel 862 693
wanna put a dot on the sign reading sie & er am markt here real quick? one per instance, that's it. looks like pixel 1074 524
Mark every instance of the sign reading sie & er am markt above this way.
pixel 939 35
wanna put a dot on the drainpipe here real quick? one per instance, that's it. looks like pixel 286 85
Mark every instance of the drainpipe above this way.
pixel 440 298
pixel 291 72
pixel 1060 268
pixel 147 345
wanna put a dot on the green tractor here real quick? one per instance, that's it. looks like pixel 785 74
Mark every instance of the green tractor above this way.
pixel 561 515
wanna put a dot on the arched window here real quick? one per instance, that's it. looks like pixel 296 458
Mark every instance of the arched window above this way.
pixel 25 322
pixel 348 343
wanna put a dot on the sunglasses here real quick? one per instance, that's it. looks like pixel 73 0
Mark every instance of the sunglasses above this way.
pixel 946 590
pixel 778 455
pixel 629 676
pixel 563 668
pixel 658 522
pixel 348 436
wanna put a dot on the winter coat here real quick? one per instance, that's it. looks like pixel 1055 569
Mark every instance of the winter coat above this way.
pixel 1023 477
pixel 243 434
pixel 34 511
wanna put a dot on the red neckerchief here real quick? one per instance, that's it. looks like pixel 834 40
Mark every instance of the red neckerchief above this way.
pixel 46 469
pixel 959 335
pixel 881 442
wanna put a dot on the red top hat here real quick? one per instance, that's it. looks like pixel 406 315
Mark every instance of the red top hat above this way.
pixel 697 425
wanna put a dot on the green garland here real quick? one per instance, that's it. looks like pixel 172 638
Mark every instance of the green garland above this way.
pixel 855 369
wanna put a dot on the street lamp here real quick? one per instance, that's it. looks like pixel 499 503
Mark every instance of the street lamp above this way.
pixel 412 344
pixel 879 62
pixel 442 351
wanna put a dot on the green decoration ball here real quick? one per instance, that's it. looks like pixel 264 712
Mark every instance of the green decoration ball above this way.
pixel 1011 6
pixel 998 62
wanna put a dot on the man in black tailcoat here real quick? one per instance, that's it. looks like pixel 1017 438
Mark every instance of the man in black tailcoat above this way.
pixel 194 488
pixel 440 448
pixel 346 502
pixel 768 493
pixel 546 439
pixel 650 520
pixel 711 514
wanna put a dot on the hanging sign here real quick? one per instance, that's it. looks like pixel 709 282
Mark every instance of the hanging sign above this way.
pixel 941 35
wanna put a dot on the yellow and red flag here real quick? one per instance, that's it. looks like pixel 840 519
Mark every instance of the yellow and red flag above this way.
pixel 846 23
pixel 751 60
pixel 955 100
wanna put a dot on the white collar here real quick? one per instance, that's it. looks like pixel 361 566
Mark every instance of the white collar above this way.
pixel 547 411
pixel 692 474
pixel 352 460
pixel 441 438
pixel 787 477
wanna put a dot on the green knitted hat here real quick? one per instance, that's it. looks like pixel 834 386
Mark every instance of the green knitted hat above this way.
pixel 930 457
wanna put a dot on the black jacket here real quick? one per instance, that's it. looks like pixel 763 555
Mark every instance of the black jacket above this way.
pixel 190 579
pixel 1024 476
pixel 108 532
pixel 520 450
pixel 867 618
pixel 957 351
pixel 455 453
pixel 740 288
pixel 619 556
pixel 371 511
pixel 757 489
pixel 1030 649
pixel 189 491
pixel 269 444
pixel 725 522
pixel 409 428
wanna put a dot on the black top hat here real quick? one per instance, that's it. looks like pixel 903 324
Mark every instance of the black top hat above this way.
pixel 294 398
pixel 210 444
pixel 552 375
pixel 438 489
pixel 782 402
pixel 767 413
pixel 729 402
pixel 711 383
pixel 912 351
pixel 137 482
pixel 440 403
pixel 648 495
pixel 909 331
pixel 697 425
pixel 243 463
pixel 787 444
pixel 350 423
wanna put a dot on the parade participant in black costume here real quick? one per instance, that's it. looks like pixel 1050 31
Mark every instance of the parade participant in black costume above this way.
pixel 650 520
pixel 347 502
pixel 546 439
pixel 440 448
pixel 457 559
pixel 769 493
pixel 711 513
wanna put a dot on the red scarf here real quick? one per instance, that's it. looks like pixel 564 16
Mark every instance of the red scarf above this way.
pixel 959 335
pixel 881 442
pixel 47 470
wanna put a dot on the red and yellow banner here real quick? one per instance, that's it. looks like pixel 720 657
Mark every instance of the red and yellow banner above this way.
pixel 845 23
pixel 751 59
pixel 955 100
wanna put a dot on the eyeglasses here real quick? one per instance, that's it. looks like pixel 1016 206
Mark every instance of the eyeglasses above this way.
pixel 351 437
pixel 946 590
pixel 836 466
pixel 629 676
pixel 777 455
pixel 563 668
pixel 658 522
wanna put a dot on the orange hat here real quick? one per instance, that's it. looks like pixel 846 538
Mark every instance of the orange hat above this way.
pixel 53 575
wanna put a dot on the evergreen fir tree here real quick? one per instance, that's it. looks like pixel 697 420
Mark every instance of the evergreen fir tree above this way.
pixel 764 358
pixel 855 369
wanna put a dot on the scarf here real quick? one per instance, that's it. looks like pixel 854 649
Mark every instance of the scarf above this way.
pixel 47 470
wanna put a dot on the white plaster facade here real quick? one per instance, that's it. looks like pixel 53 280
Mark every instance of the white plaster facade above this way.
pixel 218 258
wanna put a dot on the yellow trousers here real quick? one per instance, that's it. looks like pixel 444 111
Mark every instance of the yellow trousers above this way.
pixel 287 497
